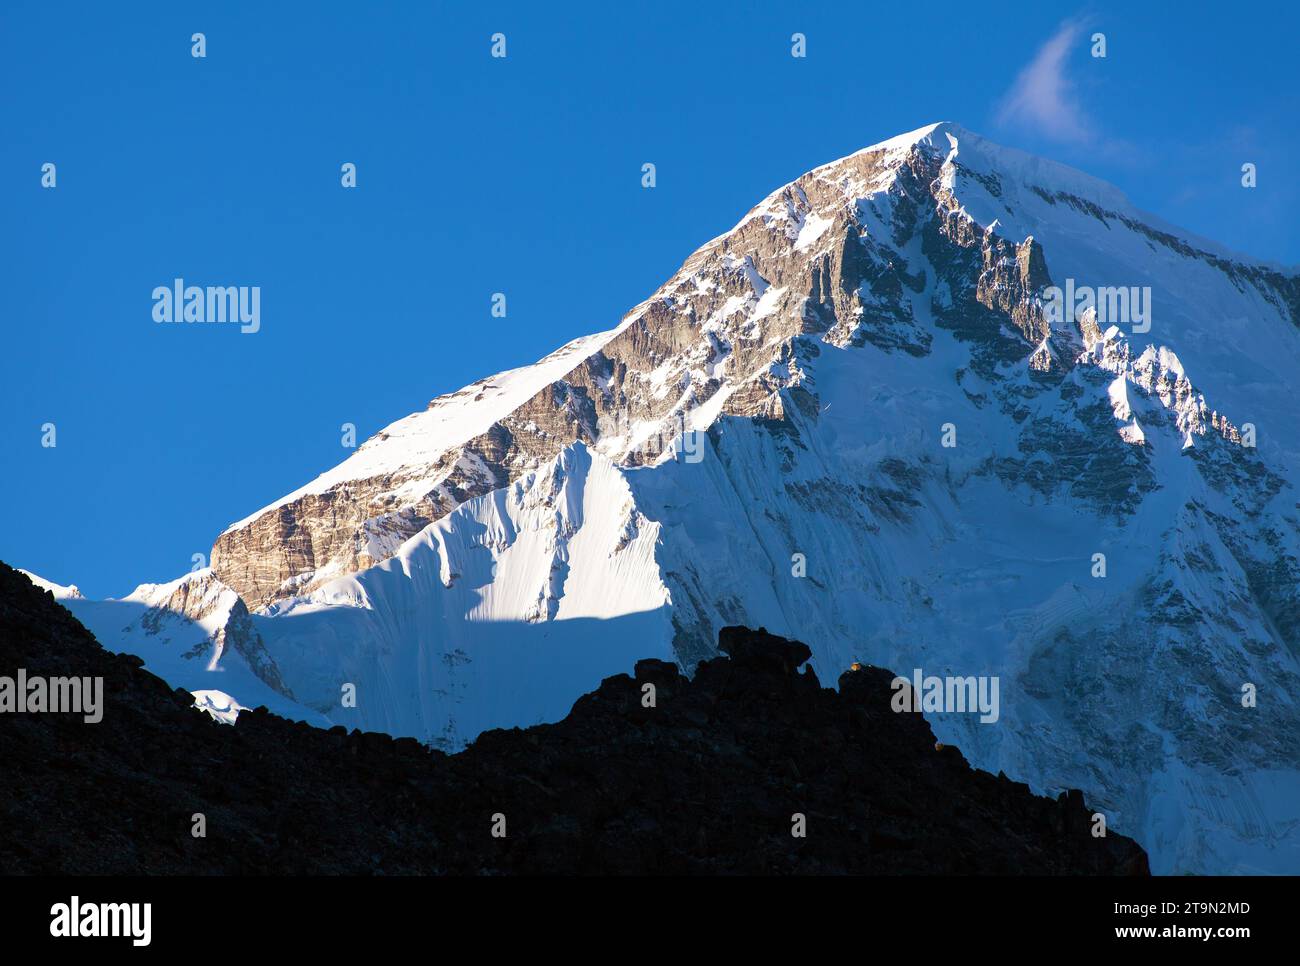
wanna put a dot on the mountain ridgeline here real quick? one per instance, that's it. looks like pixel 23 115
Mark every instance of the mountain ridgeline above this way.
pixel 750 766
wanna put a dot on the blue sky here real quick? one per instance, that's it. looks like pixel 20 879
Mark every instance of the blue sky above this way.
pixel 479 175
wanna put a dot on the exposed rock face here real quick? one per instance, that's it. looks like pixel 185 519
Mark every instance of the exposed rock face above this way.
pixel 707 780
pixel 465 444
pixel 204 600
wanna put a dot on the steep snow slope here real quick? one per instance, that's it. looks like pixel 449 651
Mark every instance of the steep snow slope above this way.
pixel 499 614
pixel 763 441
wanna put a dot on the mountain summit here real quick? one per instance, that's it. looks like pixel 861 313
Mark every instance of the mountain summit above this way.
pixel 940 405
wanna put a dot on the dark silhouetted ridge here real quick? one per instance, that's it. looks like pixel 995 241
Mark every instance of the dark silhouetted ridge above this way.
pixel 707 780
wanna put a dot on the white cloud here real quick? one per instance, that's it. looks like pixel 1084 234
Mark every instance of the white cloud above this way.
pixel 1043 97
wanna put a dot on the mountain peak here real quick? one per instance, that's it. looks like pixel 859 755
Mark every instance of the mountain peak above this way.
pixel 853 420
pixel 843 254
pixel 935 134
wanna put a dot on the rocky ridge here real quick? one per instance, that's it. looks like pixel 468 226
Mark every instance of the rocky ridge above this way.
pixel 705 780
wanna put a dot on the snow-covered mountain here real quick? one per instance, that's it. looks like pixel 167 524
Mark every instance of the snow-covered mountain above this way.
pixel 59 591
pixel 859 420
